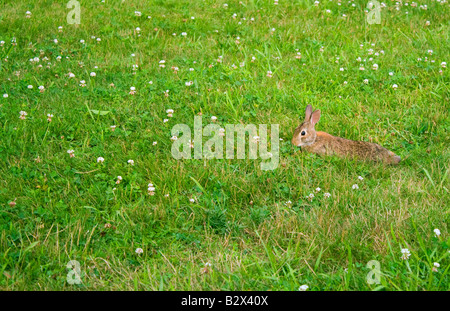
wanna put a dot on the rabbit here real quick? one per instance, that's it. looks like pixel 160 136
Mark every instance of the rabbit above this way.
pixel 306 137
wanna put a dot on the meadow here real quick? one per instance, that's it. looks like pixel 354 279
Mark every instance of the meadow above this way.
pixel 87 174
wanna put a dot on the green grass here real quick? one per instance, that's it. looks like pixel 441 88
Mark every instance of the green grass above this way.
pixel 240 222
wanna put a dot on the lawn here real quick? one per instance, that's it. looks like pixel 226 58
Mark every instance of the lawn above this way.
pixel 86 127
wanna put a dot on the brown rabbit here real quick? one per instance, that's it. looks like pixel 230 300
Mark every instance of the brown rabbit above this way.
pixel 322 143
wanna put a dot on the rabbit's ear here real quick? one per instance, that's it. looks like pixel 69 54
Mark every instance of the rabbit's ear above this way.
pixel 315 116
pixel 308 112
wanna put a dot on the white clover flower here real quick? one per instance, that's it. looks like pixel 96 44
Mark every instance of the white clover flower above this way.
pixel 154 143
pixel 162 63
pixel 30 86
pixel 192 200
pixel 137 13
pixel 394 86
pixel 327 195
pixel 100 160
pixel 119 179
pixel 5 95
pixel 375 66
pixel 82 83
pixel 355 186
pixel 213 118
pixel 71 153
pixel 173 138
pixel 310 196
pixel 82 41
pixel 360 178
pixel 269 74
pixel 139 250
pixel 437 232
pixel 165 120
pixel 444 65
pixel 391 73
pixel 405 253
pixel 435 266
pixel 23 115
pixel 98 40
pixel 184 34
pixel 49 117
pixel 318 189
pixel 131 162
pixel 93 74
pixel 27 14
pixel 366 81
pixel 304 287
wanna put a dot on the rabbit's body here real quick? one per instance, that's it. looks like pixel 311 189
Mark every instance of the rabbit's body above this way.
pixel 323 143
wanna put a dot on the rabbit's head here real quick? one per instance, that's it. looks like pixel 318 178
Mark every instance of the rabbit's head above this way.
pixel 305 133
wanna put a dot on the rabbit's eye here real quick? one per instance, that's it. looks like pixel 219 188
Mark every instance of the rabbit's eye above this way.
pixel 303 133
